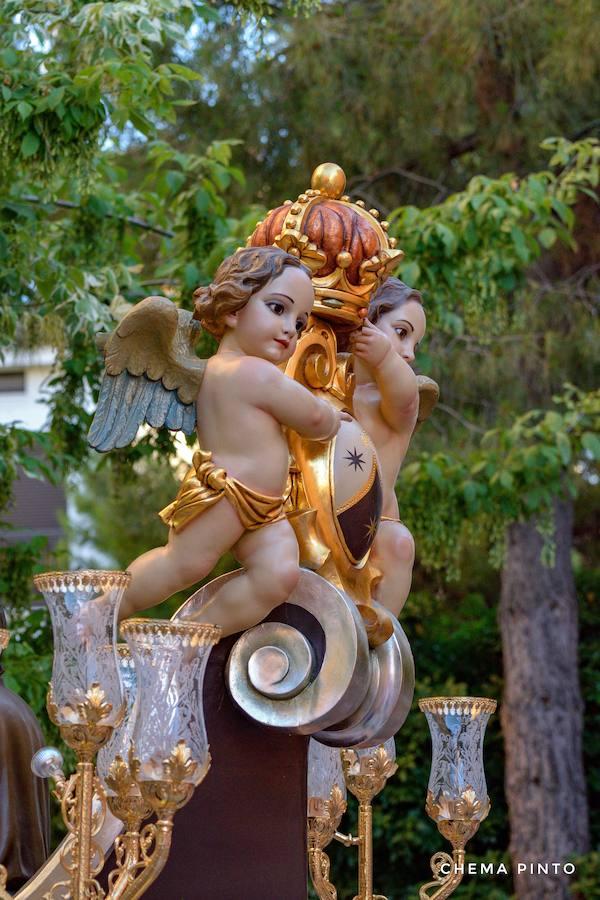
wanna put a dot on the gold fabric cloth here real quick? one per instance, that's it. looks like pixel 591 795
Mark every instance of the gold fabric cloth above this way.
pixel 205 484
pixel 391 519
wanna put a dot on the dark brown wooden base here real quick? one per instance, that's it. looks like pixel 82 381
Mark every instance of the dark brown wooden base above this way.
pixel 242 836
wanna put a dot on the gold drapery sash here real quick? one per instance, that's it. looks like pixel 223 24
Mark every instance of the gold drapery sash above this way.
pixel 205 484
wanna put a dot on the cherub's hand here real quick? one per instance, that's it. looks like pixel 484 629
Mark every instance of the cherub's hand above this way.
pixel 371 344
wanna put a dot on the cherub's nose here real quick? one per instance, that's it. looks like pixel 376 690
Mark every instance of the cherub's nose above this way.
pixel 409 356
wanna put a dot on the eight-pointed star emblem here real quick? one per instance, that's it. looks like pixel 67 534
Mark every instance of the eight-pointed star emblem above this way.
pixel 356 459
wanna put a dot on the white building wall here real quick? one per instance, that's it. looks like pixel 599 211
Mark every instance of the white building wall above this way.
pixel 26 407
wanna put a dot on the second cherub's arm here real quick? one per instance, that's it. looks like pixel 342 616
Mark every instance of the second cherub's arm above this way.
pixel 395 380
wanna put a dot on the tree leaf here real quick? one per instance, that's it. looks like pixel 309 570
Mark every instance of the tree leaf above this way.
pixel 591 443
pixel 24 109
pixel 547 237
pixel 30 144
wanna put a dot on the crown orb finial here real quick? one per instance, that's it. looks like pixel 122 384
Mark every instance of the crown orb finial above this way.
pixel 329 178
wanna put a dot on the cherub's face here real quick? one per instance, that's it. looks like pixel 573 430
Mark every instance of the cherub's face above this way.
pixel 405 326
pixel 273 319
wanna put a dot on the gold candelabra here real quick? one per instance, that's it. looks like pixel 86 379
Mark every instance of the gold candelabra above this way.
pixel 364 772
pixel 140 754
pixel 457 798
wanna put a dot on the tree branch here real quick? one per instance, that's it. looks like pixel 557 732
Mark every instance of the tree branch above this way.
pixel 359 181
pixel 131 220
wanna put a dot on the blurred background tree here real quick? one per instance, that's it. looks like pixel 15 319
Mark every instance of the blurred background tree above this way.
pixel 144 143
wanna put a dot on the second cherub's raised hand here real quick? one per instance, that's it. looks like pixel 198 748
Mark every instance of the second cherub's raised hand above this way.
pixel 370 343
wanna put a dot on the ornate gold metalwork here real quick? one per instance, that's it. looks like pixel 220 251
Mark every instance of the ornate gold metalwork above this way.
pixel 365 778
pixel 81 859
pixel 321 831
pixel 4 638
pixel 128 805
pixel 466 807
pixel 462 705
pixel 94 579
pixel 141 858
pixel 197 635
pixel 443 884
pixel 86 737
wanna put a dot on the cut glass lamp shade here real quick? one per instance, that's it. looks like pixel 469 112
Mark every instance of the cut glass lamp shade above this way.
pixel 170 661
pixel 83 608
pixel 360 763
pixel 120 740
pixel 324 771
pixel 457 789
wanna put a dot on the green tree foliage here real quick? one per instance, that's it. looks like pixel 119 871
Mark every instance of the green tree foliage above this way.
pixel 119 125
pixel 412 99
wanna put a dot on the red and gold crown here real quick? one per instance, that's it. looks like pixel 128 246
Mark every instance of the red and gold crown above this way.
pixel 345 246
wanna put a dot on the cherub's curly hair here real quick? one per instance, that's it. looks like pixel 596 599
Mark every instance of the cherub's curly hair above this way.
pixel 392 294
pixel 236 280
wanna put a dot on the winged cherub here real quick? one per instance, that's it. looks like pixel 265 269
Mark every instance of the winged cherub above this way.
pixel 239 401
pixel 388 399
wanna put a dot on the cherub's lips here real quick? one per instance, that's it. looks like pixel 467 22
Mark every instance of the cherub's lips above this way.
pixel 283 343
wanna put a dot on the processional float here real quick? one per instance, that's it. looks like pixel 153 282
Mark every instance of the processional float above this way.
pixel 329 666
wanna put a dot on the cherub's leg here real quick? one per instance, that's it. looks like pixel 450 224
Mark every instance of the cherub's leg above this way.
pixel 393 553
pixel 270 558
pixel 187 558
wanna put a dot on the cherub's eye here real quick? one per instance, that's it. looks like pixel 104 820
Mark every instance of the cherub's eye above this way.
pixel 276 307
pixel 401 332
pixel 300 326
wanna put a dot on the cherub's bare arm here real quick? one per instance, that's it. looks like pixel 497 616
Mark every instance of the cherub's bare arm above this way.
pixel 397 385
pixel 393 376
pixel 295 407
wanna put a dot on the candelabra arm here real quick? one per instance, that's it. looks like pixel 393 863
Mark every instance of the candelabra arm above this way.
pixel 127 851
pixel 346 839
pixel 446 884
pixel 318 864
pixel 160 834
pixel 321 830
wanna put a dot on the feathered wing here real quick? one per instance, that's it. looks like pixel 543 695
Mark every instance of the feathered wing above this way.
pixel 152 374
pixel 429 394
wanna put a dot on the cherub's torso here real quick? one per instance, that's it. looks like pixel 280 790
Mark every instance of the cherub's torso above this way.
pixel 245 440
pixel 391 444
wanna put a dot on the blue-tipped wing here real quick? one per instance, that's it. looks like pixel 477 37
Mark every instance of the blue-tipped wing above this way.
pixel 127 401
pixel 152 374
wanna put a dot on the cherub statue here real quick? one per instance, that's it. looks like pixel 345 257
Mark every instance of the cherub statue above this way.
pixel 239 401
pixel 386 404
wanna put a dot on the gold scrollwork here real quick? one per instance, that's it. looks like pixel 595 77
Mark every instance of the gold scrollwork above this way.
pixel 321 830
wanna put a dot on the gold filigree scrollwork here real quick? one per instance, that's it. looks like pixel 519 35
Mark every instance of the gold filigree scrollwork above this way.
pixel 88 735
pixel 128 805
pixel 142 857
pixel 466 807
pixel 321 830
pixel 314 361
pixel 446 883
pixel 457 820
pixel 365 778
pixel 368 782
